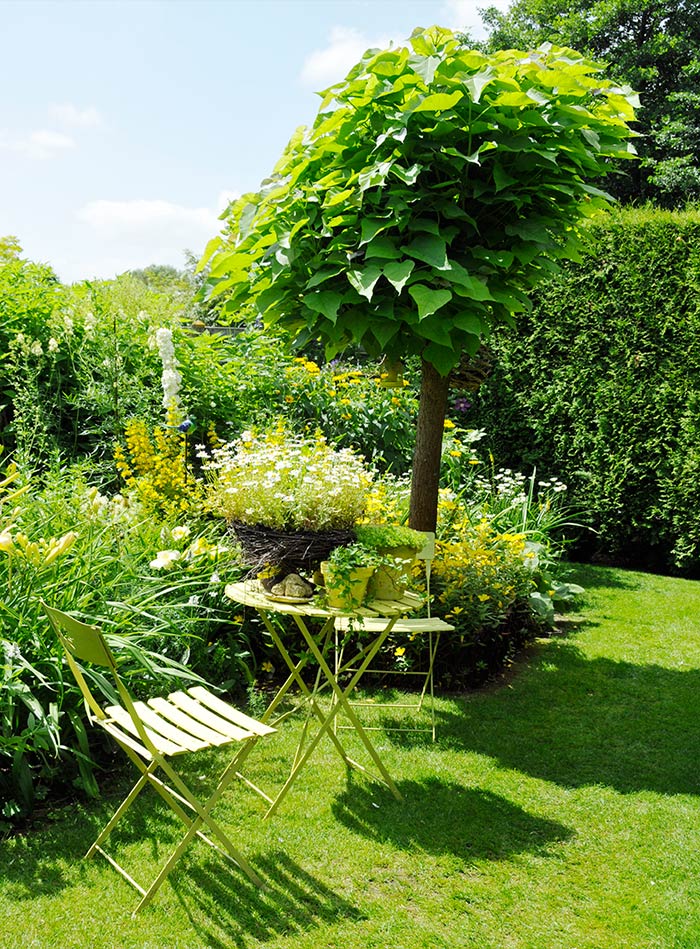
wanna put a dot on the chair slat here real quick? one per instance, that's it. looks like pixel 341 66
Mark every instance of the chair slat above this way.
pixel 208 718
pixel 225 710
pixel 193 724
pixel 122 718
pixel 125 739
pixel 165 728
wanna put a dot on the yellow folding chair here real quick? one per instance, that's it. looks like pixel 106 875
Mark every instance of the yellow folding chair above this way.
pixel 429 626
pixel 153 732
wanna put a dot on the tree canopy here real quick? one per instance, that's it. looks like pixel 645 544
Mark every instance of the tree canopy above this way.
pixel 654 45
pixel 434 189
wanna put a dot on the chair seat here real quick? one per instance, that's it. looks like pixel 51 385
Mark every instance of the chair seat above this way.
pixel 409 625
pixel 184 722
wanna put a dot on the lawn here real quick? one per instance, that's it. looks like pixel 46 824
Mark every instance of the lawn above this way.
pixel 559 809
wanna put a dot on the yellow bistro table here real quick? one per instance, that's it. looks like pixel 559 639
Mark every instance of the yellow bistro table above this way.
pixel 250 593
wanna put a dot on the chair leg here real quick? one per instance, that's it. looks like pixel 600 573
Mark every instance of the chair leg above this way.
pixel 203 818
pixel 125 804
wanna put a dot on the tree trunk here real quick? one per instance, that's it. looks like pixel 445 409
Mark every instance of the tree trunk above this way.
pixel 425 478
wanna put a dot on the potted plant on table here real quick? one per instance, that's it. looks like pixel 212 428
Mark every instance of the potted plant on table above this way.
pixel 398 545
pixel 289 499
pixel 347 574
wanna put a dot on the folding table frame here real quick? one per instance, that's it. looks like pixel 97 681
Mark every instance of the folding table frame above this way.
pixel 320 645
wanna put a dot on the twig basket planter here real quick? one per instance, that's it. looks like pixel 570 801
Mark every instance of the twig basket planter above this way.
pixel 291 551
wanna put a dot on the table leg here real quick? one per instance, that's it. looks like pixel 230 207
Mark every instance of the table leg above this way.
pixel 341 697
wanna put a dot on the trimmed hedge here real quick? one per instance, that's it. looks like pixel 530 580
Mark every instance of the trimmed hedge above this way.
pixel 600 385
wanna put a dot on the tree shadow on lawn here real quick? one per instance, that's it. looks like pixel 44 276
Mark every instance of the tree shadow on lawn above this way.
pixel 578 721
pixel 444 817
pixel 235 911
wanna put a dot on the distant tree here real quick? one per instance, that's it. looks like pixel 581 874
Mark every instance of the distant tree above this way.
pixel 654 46
pixel 435 188
pixel 10 249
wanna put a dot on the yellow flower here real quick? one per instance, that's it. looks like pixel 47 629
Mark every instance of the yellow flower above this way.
pixel 399 651
pixel 483 597
pixel 267 667
pixel 449 423
pixel 6 543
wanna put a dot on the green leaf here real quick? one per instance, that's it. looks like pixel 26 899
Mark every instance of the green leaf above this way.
pixel 469 323
pixel 427 300
pixel 478 82
pixel 475 288
pixel 439 101
pixel 325 273
pixel 434 329
pixel 398 274
pixel 364 280
pixel 325 302
pixel 502 178
pixel 444 358
pixel 371 226
pixel 428 248
pixel 408 175
pixel 383 247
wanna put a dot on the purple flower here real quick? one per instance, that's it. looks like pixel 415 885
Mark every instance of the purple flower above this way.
pixel 462 405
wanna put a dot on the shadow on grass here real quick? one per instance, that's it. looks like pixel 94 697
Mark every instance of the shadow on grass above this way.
pixel 600 578
pixel 225 909
pixel 443 817
pixel 577 722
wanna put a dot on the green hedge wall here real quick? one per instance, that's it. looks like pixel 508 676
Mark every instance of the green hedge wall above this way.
pixel 600 385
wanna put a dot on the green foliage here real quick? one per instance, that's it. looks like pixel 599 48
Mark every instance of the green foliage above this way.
pixel 156 589
pixel 654 45
pixel 435 188
pixel 389 535
pixel 600 386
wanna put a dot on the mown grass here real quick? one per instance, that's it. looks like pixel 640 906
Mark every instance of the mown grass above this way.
pixel 559 809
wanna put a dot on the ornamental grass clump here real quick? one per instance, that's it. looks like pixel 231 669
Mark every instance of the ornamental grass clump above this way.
pixel 287 482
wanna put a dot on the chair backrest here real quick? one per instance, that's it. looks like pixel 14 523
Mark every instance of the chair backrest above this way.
pixel 86 643
pixel 427 554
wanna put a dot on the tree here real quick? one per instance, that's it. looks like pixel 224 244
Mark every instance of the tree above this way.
pixel 435 188
pixel 654 45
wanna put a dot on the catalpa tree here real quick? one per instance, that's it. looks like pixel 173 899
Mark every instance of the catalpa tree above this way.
pixel 436 187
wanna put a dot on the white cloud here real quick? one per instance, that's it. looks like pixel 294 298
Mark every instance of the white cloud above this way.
pixel 131 234
pixel 43 144
pixel 345 47
pixel 75 117
pixel 464 15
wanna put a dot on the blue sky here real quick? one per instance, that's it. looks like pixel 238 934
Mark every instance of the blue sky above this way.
pixel 126 125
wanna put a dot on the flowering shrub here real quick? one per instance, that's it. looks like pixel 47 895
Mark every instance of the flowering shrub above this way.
pixel 154 469
pixel 352 408
pixel 286 482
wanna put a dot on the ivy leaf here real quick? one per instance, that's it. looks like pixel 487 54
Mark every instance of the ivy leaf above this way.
pixel 427 300
pixel 371 226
